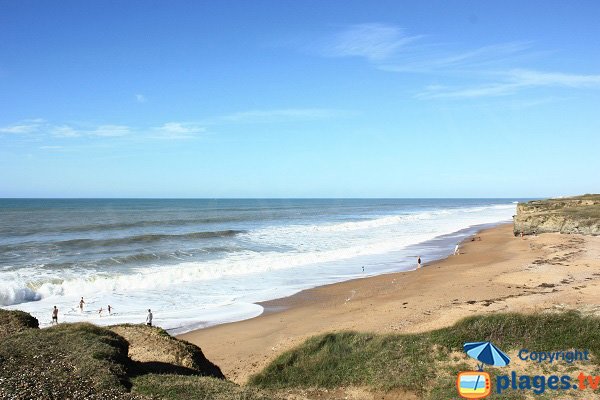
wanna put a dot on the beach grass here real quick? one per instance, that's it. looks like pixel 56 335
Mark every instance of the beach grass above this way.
pixel 64 361
pixel 177 387
pixel 425 364
pixel 12 322
pixel 86 361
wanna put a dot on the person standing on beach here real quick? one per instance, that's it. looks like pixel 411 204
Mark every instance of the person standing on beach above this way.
pixel 419 262
pixel 54 316
pixel 149 318
pixel 81 303
pixel 456 252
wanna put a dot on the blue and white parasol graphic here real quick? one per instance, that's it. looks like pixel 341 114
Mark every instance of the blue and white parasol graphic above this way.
pixel 486 353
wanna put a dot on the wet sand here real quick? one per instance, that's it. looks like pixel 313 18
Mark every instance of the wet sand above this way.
pixel 496 272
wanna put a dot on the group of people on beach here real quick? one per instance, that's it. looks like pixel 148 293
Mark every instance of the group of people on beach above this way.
pixel 82 303
pixel 54 321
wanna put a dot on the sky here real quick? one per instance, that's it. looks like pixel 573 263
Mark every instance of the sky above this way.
pixel 299 98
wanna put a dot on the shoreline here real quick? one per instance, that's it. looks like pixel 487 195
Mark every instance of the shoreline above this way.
pixel 273 305
pixel 281 303
pixel 498 273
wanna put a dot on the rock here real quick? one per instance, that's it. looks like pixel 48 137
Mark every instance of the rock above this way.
pixel 157 351
pixel 571 215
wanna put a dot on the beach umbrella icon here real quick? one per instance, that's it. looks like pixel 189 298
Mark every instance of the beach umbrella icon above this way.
pixel 486 353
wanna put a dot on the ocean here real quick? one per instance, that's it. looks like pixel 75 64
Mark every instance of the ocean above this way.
pixel 202 262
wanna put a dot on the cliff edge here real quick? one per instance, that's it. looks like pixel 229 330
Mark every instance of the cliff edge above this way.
pixel 580 214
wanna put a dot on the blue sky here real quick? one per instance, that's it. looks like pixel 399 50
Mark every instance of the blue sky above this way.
pixel 299 98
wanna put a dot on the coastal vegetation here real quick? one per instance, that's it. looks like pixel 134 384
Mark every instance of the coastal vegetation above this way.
pixel 427 364
pixel 579 214
pixel 83 361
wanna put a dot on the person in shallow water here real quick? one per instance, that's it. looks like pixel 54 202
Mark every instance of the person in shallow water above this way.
pixel 149 318
pixel 109 310
pixel 54 316
pixel 419 262
pixel 81 303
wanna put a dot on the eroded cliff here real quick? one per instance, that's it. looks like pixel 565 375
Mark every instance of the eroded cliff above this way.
pixel 580 214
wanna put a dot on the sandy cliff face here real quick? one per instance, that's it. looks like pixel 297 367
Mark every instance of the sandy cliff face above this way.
pixel 579 214
pixel 162 353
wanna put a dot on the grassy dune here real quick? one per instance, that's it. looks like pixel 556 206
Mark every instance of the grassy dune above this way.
pixel 83 361
pixel 68 361
pixel 427 364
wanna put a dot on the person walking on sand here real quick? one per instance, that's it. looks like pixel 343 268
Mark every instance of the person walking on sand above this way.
pixel 419 262
pixel 149 318
pixel 81 303
pixel 54 316
pixel 456 252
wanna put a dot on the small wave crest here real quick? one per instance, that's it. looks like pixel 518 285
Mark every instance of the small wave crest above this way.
pixel 116 226
pixel 136 239
pixel 85 243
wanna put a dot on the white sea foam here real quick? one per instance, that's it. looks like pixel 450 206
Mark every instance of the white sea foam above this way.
pixel 200 293
pixel 15 292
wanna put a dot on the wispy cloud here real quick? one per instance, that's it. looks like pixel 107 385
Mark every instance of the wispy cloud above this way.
pixel 140 98
pixel 540 78
pixel 511 82
pixel 278 115
pixel 486 71
pixel 375 42
pixel 388 47
pixel 68 131
pixel 173 130
pixel 178 130
pixel 23 127
pixel 110 131
pixel 41 127
pixel 65 131
pixel 436 58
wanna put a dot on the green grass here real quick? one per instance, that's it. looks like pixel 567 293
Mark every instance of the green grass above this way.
pixel 84 361
pixel 408 362
pixel 12 322
pixel 176 387
pixel 74 361
pixel 67 360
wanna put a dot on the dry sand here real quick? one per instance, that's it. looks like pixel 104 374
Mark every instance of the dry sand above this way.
pixel 499 272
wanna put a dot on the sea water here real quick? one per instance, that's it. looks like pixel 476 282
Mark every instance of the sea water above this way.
pixel 202 262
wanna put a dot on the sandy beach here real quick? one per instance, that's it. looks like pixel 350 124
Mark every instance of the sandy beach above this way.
pixel 495 272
